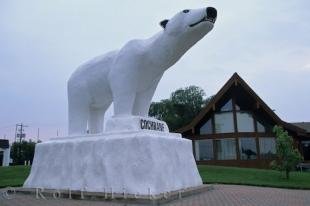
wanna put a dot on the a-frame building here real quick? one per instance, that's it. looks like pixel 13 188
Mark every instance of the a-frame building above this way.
pixel 235 129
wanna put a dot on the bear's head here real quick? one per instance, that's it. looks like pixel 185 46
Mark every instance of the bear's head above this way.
pixel 192 24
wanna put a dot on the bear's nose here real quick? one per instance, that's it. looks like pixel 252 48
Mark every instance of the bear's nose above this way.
pixel 211 12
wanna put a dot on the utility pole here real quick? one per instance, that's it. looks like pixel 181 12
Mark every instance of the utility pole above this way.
pixel 19 134
pixel 15 132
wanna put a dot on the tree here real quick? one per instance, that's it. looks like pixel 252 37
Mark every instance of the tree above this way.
pixel 21 152
pixel 182 106
pixel 287 156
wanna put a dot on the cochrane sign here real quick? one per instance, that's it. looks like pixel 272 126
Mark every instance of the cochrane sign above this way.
pixel 152 125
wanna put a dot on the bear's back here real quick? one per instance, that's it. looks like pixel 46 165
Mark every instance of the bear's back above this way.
pixel 93 69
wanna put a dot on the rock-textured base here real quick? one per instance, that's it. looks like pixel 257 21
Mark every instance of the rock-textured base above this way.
pixel 144 162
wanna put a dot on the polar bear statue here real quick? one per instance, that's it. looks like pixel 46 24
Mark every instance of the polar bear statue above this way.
pixel 129 76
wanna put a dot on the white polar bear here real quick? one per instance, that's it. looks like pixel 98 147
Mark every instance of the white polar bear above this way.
pixel 128 77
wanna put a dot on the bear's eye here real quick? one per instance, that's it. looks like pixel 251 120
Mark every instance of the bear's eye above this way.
pixel 186 11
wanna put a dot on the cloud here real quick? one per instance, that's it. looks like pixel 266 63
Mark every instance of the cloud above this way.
pixel 306 67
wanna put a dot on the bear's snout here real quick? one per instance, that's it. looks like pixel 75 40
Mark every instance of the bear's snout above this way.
pixel 211 13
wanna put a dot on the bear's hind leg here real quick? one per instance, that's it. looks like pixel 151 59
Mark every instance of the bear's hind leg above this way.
pixel 96 118
pixel 78 115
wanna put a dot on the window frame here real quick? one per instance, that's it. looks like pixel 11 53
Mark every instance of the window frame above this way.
pixel 275 145
pixel 195 150
pixel 235 134
pixel 240 147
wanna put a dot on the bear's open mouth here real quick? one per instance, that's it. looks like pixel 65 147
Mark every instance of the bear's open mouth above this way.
pixel 204 19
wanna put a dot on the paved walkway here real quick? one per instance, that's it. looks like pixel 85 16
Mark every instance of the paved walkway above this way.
pixel 226 195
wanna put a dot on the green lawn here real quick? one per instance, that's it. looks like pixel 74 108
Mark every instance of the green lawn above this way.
pixel 258 177
pixel 16 175
pixel 13 175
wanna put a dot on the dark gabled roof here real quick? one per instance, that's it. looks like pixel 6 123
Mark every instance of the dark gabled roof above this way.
pixel 303 125
pixel 4 143
pixel 237 80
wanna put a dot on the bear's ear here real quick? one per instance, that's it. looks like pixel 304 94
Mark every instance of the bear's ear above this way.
pixel 163 23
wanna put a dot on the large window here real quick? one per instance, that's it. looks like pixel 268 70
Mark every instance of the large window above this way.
pixel 224 119
pixel 224 122
pixel 247 148
pixel 226 149
pixel 245 122
pixel 206 128
pixel 204 149
pixel 267 147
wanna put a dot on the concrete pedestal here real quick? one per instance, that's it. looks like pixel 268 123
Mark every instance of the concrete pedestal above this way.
pixel 141 162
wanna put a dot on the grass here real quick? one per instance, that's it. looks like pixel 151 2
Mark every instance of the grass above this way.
pixel 13 176
pixel 255 177
pixel 16 175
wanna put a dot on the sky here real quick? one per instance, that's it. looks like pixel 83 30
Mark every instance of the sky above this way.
pixel 42 42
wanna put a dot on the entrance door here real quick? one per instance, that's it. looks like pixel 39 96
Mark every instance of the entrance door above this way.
pixel 306 150
pixel 1 158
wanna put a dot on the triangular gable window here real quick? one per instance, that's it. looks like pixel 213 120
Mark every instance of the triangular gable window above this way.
pixel 227 107
pixel 260 127
pixel 206 128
